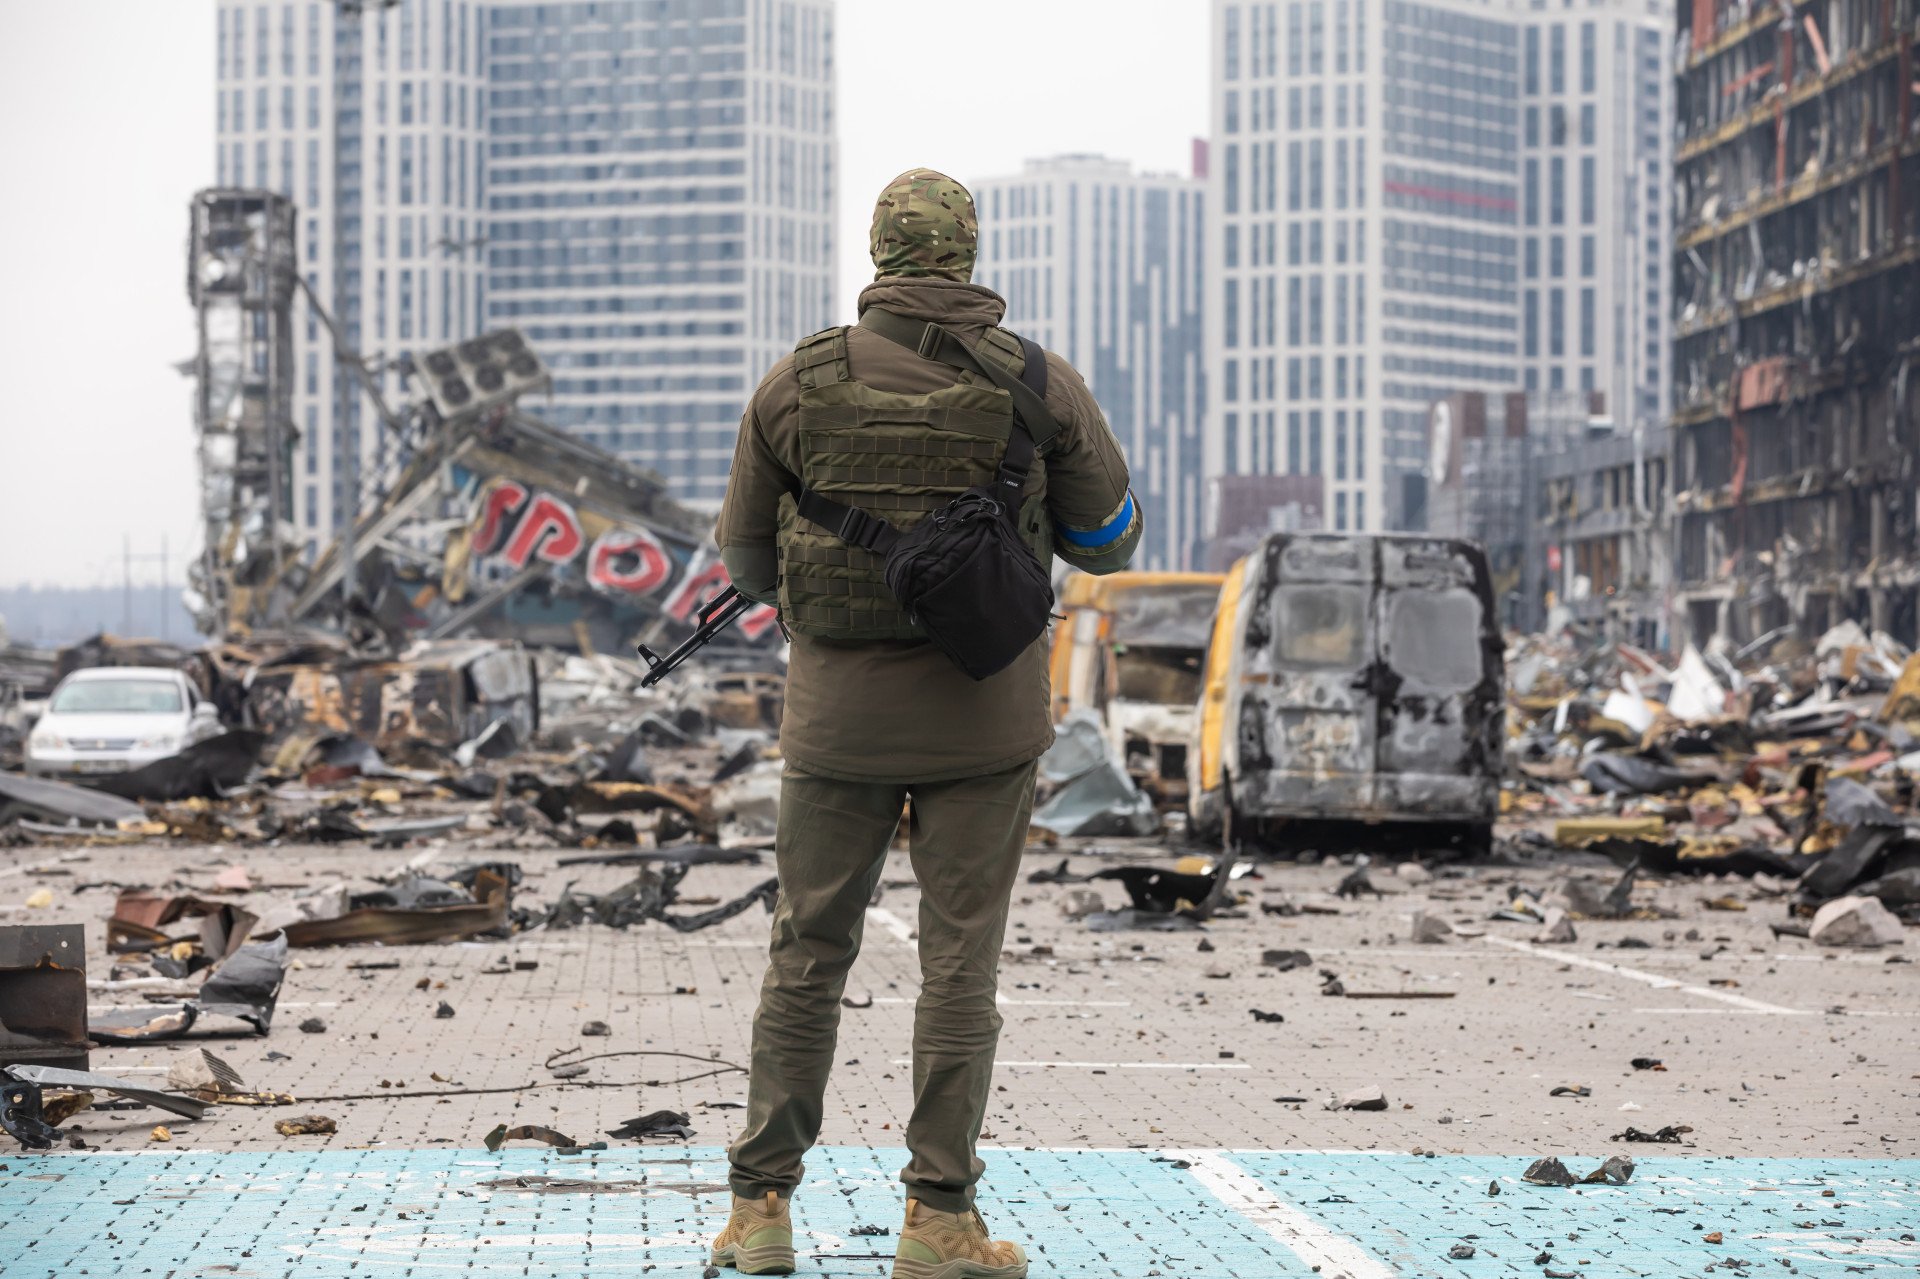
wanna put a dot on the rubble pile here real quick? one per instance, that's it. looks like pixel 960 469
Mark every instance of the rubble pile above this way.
pixel 1792 767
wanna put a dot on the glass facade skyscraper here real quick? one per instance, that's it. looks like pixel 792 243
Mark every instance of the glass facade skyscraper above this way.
pixel 1380 169
pixel 645 186
pixel 394 251
pixel 660 206
pixel 1102 265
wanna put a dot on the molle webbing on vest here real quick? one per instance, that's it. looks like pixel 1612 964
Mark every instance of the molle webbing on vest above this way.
pixel 899 456
pixel 821 358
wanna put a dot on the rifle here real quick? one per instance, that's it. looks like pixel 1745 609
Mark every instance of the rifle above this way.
pixel 719 613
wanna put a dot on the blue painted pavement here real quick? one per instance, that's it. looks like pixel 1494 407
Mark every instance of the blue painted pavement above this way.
pixel 1134 1214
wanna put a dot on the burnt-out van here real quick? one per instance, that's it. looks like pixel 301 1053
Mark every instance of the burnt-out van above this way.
pixel 1351 678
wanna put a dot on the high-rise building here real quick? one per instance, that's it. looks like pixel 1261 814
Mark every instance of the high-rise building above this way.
pixel 1366 210
pixel 393 252
pixel 645 188
pixel 1596 154
pixel 660 191
pixel 1102 265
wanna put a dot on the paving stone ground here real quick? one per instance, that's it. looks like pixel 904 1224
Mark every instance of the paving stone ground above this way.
pixel 1121 1059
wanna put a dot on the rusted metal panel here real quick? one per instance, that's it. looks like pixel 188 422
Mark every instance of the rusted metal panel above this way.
pixel 43 996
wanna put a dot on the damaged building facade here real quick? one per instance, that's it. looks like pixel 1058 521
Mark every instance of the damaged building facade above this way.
pixel 1569 507
pixel 1798 303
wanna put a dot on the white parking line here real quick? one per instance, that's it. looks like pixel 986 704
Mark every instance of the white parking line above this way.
pixel 1004 1002
pixel 27 868
pixel 892 923
pixel 1757 1012
pixel 1115 1065
pixel 1652 979
pixel 1332 1256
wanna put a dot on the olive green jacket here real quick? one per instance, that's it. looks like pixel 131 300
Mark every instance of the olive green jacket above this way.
pixel 899 710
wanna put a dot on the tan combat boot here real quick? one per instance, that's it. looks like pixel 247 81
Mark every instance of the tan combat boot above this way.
pixel 953 1245
pixel 758 1239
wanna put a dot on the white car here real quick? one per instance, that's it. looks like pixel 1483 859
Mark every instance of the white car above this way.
pixel 110 719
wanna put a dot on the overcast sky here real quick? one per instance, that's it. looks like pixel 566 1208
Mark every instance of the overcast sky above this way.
pixel 106 127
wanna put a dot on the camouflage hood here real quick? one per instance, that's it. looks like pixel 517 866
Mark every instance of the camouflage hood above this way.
pixel 924 225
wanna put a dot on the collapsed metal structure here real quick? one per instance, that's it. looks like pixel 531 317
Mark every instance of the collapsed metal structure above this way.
pixel 1797 261
pixel 484 521
pixel 241 275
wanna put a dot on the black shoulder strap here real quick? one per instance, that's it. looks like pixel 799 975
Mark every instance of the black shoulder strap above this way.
pixel 1032 423
pixel 934 342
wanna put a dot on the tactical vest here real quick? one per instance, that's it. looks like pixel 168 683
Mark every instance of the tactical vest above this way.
pixel 899 457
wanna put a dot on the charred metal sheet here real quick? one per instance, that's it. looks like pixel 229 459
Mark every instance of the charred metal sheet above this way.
pixel 411 927
pixel 43 995
pixel 62 803
pixel 50 1077
pixel 205 769
pixel 23 1116
pixel 245 986
pixel 443 694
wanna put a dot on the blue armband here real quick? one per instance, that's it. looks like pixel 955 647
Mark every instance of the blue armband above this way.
pixel 1109 532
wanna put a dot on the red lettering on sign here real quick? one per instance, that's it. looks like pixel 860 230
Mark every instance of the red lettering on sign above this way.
pixel 629 560
pixel 498 506
pixel 756 622
pixel 700 585
pixel 549 529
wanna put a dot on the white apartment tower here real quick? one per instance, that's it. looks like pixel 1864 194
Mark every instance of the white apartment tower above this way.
pixel 660 193
pixel 1102 265
pixel 645 187
pixel 1595 225
pixel 406 218
pixel 1368 205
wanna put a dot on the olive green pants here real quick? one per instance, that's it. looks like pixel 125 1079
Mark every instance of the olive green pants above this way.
pixel 966 838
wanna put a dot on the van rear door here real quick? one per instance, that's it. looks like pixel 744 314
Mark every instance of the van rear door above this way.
pixel 1433 620
pixel 1306 732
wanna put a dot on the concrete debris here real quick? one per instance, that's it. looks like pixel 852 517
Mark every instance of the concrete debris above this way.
pixel 1856 922
pixel 1557 930
pixel 1369 1098
pixel 1078 903
pixel 1430 930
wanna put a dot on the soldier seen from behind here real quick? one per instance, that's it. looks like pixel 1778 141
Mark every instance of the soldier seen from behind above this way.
pixel 873 437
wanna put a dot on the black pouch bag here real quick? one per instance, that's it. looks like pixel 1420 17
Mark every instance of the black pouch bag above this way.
pixel 963 573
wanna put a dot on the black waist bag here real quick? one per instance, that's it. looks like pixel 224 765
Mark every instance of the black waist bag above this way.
pixel 963 573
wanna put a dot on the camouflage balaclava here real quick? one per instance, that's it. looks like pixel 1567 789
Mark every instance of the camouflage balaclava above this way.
pixel 924 225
